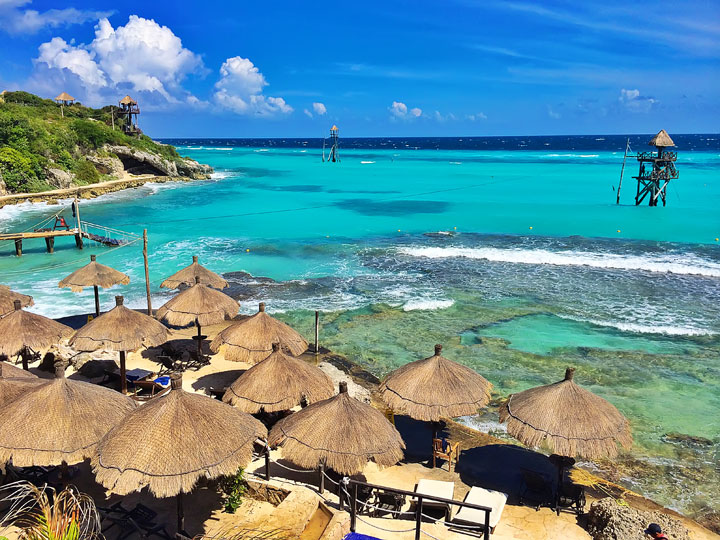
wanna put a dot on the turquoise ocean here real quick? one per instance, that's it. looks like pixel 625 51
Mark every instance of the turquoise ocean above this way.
pixel 511 252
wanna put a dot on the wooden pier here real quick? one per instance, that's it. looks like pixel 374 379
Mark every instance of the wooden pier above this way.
pixel 49 237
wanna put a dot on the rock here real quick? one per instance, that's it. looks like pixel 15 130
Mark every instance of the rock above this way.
pixel 607 520
pixel 3 187
pixel 686 440
pixel 96 368
pixel 107 165
pixel 59 178
pixel 137 161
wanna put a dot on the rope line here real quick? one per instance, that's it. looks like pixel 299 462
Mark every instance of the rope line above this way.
pixel 62 265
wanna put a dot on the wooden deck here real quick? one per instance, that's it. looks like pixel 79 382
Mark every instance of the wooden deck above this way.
pixel 49 237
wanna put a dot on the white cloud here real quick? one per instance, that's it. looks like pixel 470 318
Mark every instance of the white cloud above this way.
pixel 58 54
pixel 16 19
pixel 307 113
pixel 476 117
pixel 633 101
pixel 553 114
pixel 399 110
pixel 444 117
pixel 141 56
pixel 319 108
pixel 240 90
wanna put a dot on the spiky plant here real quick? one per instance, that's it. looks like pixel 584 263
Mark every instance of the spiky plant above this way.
pixel 45 514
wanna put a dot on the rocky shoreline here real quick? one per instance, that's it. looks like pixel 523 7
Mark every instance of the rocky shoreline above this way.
pixel 128 168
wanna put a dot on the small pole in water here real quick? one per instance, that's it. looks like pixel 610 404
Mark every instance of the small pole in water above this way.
pixel 617 200
pixel 147 272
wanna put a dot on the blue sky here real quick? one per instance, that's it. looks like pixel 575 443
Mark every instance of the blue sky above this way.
pixel 451 67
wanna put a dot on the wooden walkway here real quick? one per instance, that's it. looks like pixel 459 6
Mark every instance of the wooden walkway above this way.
pixel 49 237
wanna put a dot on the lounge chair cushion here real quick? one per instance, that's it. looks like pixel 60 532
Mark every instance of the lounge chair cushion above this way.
pixel 436 488
pixel 482 497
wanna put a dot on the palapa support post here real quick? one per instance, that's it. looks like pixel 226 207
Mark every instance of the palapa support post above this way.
pixel 267 462
pixel 18 247
pixel 418 517
pixel 50 244
pixel 97 293
pixel 147 272
pixel 180 513
pixel 322 477
pixel 78 241
pixel 123 370
pixel 317 332
pixel 353 508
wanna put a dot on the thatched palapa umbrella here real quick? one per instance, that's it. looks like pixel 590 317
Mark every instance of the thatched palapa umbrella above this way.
pixel 251 340
pixel 278 383
pixel 21 332
pixel 571 420
pixel 14 382
pixel 185 436
pixel 94 275
pixel 8 297
pixel 187 276
pixel 435 388
pixel 341 433
pixel 59 421
pixel 120 329
pixel 200 305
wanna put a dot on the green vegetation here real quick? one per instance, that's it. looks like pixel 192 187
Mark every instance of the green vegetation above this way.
pixel 233 489
pixel 34 137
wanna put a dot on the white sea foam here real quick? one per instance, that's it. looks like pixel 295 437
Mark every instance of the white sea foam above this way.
pixel 219 175
pixel 646 328
pixel 262 150
pixel 366 162
pixel 674 264
pixel 426 304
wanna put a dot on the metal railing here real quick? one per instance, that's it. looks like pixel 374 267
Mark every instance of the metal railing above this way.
pixel 419 498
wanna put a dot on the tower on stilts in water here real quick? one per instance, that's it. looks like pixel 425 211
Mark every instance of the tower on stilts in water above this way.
pixel 333 155
pixel 656 170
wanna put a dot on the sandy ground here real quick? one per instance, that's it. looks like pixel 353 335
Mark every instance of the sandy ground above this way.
pixel 203 506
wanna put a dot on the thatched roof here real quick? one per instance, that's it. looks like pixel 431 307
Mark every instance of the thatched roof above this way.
pixel 661 140
pixel 59 420
pixel 435 388
pixel 120 329
pixel 251 340
pixel 187 276
pixel 8 371
pixel 20 329
pixel 94 274
pixel 341 432
pixel 127 100
pixel 571 420
pixel 278 383
pixel 8 297
pixel 14 382
pixel 64 96
pixel 185 436
pixel 201 303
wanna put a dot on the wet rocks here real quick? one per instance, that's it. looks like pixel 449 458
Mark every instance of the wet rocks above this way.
pixel 607 520
pixel 691 441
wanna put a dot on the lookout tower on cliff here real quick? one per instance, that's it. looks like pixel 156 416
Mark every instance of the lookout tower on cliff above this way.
pixel 128 112
pixel 656 170
pixel 64 100
pixel 333 155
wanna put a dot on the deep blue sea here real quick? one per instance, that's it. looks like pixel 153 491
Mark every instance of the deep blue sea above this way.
pixel 510 251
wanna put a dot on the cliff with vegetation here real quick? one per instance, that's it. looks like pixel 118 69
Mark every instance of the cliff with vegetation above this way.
pixel 42 148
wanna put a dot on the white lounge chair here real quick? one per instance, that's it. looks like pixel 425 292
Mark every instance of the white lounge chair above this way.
pixel 435 488
pixel 482 497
